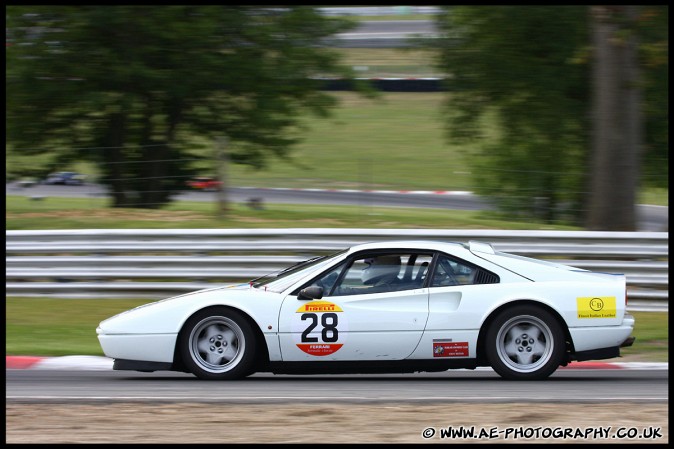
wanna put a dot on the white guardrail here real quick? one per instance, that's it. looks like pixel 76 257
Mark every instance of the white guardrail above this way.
pixel 145 263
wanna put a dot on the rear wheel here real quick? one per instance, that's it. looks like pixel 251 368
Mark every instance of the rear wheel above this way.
pixel 218 343
pixel 525 343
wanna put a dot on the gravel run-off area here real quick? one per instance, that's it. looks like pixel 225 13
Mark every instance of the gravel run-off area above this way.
pixel 144 422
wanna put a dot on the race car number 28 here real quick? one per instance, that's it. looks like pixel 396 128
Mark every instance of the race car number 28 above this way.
pixel 320 328
pixel 329 333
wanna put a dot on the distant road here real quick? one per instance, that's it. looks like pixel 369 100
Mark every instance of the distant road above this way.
pixel 385 33
pixel 651 218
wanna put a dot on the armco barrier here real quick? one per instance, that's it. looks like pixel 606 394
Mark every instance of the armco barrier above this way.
pixel 153 263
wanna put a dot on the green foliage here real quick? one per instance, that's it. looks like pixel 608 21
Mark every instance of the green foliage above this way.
pixel 653 29
pixel 128 84
pixel 528 67
pixel 518 64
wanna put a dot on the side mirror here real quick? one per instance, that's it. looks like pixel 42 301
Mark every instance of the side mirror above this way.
pixel 311 293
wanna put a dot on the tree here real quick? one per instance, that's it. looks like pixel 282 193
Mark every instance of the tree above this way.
pixel 516 67
pixel 527 70
pixel 128 87
pixel 653 31
pixel 617 120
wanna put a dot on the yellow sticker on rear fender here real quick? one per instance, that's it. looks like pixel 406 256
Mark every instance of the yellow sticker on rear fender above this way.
pixel 596 307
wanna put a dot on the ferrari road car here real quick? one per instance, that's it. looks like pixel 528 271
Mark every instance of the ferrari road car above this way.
pixel 401 306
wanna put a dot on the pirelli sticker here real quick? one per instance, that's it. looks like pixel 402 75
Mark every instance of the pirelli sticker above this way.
pixel 320 328
pixel 449 348
pixel 596 307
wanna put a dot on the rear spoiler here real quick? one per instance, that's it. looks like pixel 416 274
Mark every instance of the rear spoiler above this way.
pixel 480 247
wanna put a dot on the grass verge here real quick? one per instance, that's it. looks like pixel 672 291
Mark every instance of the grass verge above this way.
pixel 91 213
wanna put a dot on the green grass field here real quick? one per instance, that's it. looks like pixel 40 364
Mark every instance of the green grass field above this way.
pixel 83 213
pixel 394 142
pixel 58 327
pixel 391 62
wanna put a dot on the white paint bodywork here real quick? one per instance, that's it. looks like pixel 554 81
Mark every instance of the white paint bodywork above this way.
pixel 386 326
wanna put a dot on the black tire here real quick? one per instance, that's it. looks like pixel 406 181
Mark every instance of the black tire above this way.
pixel 218 344
pixel 525 342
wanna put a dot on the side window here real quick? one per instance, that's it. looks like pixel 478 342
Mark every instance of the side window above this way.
pixel 377 273
pixel 450 272
pixel 327 281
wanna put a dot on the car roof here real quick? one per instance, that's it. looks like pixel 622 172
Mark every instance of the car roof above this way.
pixel 412 244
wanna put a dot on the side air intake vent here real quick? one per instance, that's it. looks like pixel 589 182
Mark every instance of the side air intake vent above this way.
pixel 483 277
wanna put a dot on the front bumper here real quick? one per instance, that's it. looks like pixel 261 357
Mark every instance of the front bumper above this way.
pixel 147 347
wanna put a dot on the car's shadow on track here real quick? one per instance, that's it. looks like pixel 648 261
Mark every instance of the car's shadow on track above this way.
pixel 565 377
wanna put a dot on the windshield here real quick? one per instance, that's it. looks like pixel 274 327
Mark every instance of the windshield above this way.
pixel 279 281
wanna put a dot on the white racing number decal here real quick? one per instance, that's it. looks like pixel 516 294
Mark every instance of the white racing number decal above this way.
pixel 319 328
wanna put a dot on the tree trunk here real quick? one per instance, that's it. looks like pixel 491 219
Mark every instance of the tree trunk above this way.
pixel 221 161
pixel 616 137
pixel 156 185
pixel 114 160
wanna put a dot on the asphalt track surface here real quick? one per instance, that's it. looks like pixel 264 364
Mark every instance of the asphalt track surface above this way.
pixel 105 406
pixel 572 386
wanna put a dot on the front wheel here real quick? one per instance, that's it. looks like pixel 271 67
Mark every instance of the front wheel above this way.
pixel 218 343
pixel 525 343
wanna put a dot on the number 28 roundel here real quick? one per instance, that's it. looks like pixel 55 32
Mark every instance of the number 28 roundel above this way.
pixel 319 328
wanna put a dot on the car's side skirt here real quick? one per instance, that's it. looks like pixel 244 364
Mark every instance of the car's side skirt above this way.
pixel 348 367
pixel 596 354
pixel 370 367
pixel 141 365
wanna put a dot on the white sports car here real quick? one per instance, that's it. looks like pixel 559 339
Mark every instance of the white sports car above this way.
pixel 402 306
